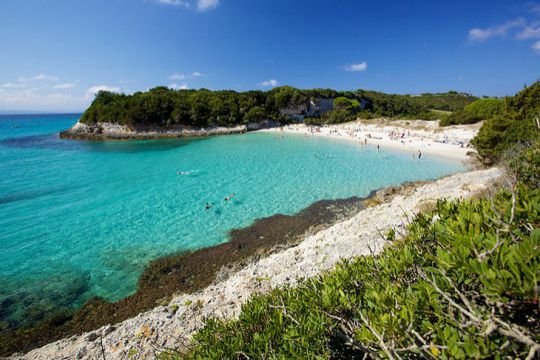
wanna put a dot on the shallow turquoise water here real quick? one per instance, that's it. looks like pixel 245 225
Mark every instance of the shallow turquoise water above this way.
pixel 79 219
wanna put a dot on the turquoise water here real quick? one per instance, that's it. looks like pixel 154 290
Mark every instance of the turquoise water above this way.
pixel 79 219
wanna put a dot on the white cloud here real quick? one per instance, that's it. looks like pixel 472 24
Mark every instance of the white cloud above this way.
pixel 200 5
pixel 518 29
pixel 479 35
pixel 357 67
pixel 10 85
pixel 177 77
pixel 181 76
pixel 64 86
pixel 33 99
pixel 40 77
pixel 529 33
pixel 45 77
pixel 95 89
pixel 270 83
pixel 204 5
pixel 175 86
pixel 182 3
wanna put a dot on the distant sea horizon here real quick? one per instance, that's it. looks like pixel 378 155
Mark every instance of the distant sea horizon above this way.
pixel 22 112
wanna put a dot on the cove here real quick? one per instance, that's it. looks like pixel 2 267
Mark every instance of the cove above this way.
pixel 83 219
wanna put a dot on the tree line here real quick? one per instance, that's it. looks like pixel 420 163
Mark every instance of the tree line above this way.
pixel 162 106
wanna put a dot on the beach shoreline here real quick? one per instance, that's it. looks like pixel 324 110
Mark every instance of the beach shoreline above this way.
pixel 358 235
pixel 418 135
pixel 428 137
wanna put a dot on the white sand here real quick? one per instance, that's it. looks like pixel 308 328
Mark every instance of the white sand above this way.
pixel 149 333
pixel 419 135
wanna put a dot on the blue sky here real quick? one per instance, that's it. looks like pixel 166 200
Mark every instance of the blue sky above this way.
pixel 54 55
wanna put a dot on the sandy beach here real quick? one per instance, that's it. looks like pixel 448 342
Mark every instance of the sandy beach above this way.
pixel 405 135
pixel 168 326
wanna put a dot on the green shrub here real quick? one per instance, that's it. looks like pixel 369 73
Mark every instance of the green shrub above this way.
pixel 523 161
pixel 336 116
pixel 517 124
pixel 479 110
pixel 462 284
pixel 345 103
pixel 485 108
pixel 460 117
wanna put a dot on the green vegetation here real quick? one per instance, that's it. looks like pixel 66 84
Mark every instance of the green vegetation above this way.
pixel 346 103
pixel 481 109
pixel 450 101
pixel 376 104
pixel 462 284
pixel 165 107
pixel 517 123
pixel 525 163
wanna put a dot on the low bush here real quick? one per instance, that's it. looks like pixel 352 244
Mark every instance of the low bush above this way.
pixel 524 162
pixel 477 111
pixel 517 124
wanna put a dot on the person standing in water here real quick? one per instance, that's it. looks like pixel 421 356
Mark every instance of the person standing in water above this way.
pixel 419 154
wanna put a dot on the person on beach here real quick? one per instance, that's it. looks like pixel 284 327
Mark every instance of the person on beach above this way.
pixel 229 198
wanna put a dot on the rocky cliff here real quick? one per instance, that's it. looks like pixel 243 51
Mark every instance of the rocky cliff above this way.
pixel 312 108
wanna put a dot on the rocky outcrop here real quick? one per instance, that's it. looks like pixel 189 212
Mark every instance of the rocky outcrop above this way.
pixel 266 124
pixel 112 131
pixel 312 108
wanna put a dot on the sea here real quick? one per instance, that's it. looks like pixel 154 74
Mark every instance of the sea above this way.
pixel 80 219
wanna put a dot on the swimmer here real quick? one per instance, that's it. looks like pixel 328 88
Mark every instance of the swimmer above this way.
pixel 208 206
pixel 186 172
pixel 229 198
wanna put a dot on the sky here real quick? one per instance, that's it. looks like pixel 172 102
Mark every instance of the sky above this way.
pixel 55 55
